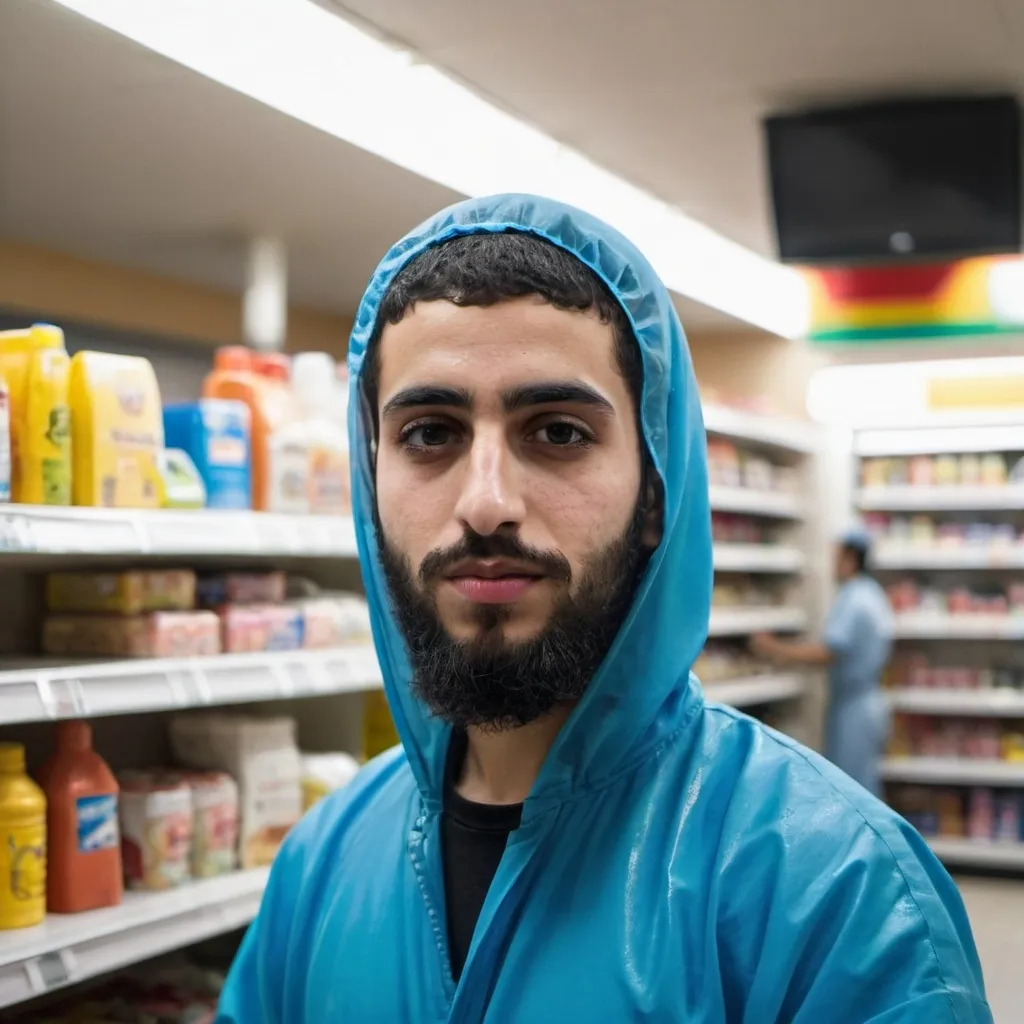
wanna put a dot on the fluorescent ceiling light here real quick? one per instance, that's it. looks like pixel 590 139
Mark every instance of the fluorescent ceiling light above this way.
pixel 312 65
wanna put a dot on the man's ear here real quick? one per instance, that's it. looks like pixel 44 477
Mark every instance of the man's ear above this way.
pixel 654 510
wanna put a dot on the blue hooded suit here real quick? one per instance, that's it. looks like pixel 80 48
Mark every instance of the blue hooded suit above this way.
pixel 676 861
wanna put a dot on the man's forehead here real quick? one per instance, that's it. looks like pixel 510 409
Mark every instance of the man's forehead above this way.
pixel 527 335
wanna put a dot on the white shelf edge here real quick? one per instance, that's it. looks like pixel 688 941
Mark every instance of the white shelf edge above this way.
pixel 937 626
pixel 79 946
pixel 907 498
pixel 753 690
pixel 993 703
pixel 951 437
pixel 779 432
pixel 977 853
pixel 55 531
pixel 887 555
pixel 48 692
pixel 955 771
pixel 746 501
pixel 742 621
pixel 757 558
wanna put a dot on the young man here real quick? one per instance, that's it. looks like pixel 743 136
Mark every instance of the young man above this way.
pixel 855 646
pixel 569 833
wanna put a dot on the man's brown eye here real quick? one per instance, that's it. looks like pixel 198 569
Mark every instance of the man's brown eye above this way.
pixel 428 435
pixel 560 435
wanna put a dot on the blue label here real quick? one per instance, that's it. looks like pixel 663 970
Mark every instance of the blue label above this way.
pixel 97 823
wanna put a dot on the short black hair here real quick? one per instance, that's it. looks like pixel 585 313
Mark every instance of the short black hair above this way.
pixel 487 268
pixel 859 554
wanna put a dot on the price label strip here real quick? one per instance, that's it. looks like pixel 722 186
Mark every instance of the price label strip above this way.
pixel 51 971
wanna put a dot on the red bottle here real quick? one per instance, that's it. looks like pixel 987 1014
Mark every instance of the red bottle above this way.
pixel 83 838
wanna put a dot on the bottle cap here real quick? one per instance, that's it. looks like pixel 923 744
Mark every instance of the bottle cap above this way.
pixel 74 735
pixel 233 357
pixel 12 758
pixel 274 365
pixel 313 378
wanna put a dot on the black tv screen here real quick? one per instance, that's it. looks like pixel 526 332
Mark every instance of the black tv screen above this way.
pixel 898 180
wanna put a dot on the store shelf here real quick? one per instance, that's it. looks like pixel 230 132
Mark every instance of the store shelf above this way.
pixel 741 621
pixel 785 435
pixel 757 558
pixel 888 555
pixel 46 691
pixel 752 690
pixel 66 949
pixel 954 771
pixel 940 499
pixel 974 853
pixel 939 626
pixel 45 530
pixel 746 501
pixel 997 703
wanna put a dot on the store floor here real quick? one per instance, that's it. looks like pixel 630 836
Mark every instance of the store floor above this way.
pixel 996 910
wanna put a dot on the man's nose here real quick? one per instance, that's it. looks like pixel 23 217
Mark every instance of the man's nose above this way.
pixel 491 494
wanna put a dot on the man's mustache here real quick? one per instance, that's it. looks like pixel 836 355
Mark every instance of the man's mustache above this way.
pixel 496 545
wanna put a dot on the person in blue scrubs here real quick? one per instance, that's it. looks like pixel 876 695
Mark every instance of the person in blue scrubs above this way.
pixel 569 831
pixel 855 646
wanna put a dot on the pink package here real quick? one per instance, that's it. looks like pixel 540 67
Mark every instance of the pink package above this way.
pixel 244 629
pixel 980 814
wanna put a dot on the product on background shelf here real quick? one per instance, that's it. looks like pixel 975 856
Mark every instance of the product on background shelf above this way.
pixel 968 470
pixel 922 531
pixel 219 589
pixel 117 431
pixel 979 814
pixel 721 661
pixel 36 368
pixel 214 823
pixel 215 434
pixel 180 484
pixel 262 756
pixel 741 592
pixel 260 382
pixel 152 635
pixel 5 441
pixel 334 619
pixel 379 732
pixel 729 466
pixel 126 593
pixel 323 774
pixel 985 739
pixel 83 842
pixel 22 842
pixel 727 528
pixel 314 428
pixel 156 830
pixel 915 670
pixel 908 595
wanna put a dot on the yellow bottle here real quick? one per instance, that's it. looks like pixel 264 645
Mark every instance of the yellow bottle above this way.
pixel 35 365
pixel 118 428
pixel 22 842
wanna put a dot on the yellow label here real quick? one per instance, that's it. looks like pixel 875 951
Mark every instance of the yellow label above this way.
pixel 379 732
pixel 22 874
pixel 976 393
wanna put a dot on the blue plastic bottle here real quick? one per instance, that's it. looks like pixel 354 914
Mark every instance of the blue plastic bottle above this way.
pixel 215 433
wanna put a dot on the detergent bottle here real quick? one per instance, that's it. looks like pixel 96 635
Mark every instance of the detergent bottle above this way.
pixel 22 842
pixel 260 381
pixel 82 825
pixel 314 427
pixel 117 421
pixel 36 368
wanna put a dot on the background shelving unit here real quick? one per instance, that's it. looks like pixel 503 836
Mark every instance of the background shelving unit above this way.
pixel 957 673
pixel 761 584
pixel 127 702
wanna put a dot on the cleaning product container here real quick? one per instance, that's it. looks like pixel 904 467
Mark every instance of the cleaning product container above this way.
pixel 22 842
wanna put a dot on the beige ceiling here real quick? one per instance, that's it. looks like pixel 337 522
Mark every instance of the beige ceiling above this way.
pixel 670 93
pixel 109 151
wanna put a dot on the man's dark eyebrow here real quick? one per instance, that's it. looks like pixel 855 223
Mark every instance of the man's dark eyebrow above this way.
pixel 554 392
pixel 428 394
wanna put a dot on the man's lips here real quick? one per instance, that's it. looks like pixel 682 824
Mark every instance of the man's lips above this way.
pixel 496 581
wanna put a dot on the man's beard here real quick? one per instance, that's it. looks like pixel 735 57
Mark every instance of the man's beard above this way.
pixel 497 683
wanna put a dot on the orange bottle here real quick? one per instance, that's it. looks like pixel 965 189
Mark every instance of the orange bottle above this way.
pixel 84 845
pixel 260 380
